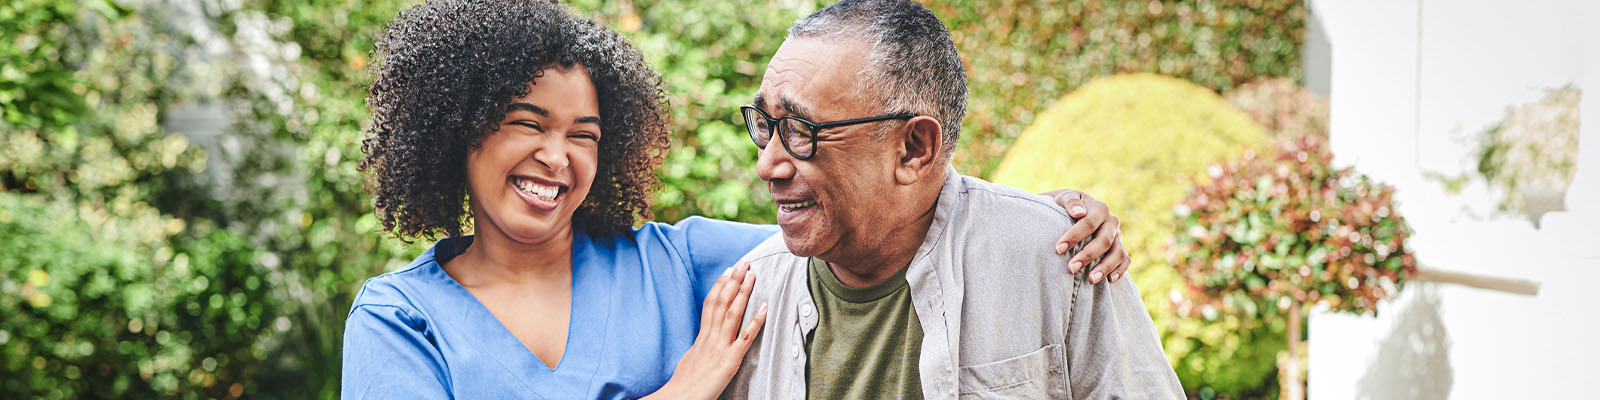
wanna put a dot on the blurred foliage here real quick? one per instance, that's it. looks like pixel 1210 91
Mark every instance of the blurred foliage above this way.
pixel 1262 233
pixel 298 89
pixel 138 262
pixel 35 87
pixel 1260 237
pixel 105 293
pixel 1286 109
pixel 1533 152
pixel 1152 135
pixel 1021 55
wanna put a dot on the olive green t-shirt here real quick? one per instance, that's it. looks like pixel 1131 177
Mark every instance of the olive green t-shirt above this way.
pixel 867 342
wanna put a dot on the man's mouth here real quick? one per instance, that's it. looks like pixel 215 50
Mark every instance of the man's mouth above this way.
pixel 796 205
pixel 538 191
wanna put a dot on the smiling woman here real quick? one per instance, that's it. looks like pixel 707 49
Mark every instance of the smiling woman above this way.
pixel 538 132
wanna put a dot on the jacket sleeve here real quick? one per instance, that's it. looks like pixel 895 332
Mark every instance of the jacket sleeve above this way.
pixel 1113 351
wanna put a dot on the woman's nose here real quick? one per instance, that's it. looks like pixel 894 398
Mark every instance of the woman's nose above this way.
pixel 553 154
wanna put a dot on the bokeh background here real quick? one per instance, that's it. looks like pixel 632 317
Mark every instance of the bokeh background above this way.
pixel 181 215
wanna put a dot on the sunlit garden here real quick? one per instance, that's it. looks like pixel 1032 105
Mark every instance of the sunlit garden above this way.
pixel 182 216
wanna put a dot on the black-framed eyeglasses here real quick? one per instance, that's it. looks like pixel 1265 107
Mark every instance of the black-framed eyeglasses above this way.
pixel 798 135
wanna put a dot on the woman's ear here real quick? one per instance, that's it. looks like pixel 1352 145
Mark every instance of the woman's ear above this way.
pixel 920 143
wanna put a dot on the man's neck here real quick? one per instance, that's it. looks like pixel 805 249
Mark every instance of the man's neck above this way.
pixel 872 262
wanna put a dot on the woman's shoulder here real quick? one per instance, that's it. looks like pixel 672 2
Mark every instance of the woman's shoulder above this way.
pixel 402 287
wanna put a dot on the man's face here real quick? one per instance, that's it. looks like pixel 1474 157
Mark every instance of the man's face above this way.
pixel 839 195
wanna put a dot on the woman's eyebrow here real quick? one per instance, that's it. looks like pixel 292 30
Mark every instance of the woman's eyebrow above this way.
pixel 529 107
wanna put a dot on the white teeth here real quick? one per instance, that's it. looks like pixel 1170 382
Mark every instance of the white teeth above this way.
pixel 542 192
pixel 797 205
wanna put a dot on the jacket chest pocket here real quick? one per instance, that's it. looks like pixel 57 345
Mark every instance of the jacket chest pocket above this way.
pixel 1041 374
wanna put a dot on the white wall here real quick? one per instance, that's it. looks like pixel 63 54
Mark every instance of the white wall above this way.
pixel 1413 82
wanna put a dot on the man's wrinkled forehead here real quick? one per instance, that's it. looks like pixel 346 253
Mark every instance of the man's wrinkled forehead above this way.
pixel 806 73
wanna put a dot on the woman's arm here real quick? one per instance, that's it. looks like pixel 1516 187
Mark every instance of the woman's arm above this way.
pixel 710 246
pixel 704 371
pixel 386 356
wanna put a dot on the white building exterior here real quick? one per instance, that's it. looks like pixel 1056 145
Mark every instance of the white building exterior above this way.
pixel 1411 83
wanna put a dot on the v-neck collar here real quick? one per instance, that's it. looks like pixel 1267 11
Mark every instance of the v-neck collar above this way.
pixel 586 323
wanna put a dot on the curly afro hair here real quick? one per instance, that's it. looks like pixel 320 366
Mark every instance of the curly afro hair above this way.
pixel 445 74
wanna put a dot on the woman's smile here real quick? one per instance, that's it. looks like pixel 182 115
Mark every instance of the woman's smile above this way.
pixel 538 193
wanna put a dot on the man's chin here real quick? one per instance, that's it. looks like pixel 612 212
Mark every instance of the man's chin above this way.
pixel 799 242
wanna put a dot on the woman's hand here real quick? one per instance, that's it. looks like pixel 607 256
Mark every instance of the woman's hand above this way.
pixel 1104 231
pixel 708 366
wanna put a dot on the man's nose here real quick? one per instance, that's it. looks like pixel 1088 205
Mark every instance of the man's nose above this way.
pixel 773 162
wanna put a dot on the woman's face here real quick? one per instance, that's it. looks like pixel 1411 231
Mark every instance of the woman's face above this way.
pixel 527 177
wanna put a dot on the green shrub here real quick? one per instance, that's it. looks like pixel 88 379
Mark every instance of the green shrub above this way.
pixel 98 305
pixel 1020 55
pixel 107 291
pixel 1136 142
pixel 1262 236
pixel 1263 232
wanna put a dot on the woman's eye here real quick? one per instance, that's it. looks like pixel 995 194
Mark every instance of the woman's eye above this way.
pixel 589 136
pixel 534 126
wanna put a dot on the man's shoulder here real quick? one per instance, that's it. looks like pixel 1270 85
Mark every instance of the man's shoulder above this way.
pixel 771 250
pixel 998 211
pixel 772 259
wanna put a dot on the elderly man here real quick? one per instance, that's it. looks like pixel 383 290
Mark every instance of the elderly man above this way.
pixel 895 276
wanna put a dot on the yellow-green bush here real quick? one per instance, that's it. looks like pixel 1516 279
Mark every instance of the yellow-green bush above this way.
pixel 1137 142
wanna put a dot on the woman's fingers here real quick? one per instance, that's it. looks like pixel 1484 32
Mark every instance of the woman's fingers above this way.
pixel 710 312
pixel 1090 213
pixel 750 332
pixel 1078 232
pixel 1094 250
pixel 1072 201
pixel 1107 267
pixel 1127 262
pixel 735 313
pixel 724 294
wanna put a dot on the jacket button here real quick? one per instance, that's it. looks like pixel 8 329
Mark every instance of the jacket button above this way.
pixel 805 310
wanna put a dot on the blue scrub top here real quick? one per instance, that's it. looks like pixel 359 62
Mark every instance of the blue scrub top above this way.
pixel 636 299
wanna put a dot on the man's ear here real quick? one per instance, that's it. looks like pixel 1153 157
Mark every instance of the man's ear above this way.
pixel 919 149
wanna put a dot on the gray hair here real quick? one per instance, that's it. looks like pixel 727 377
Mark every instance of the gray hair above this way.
pixel 913 66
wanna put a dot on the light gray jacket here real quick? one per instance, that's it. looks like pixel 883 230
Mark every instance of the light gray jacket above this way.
pixel 1000 315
